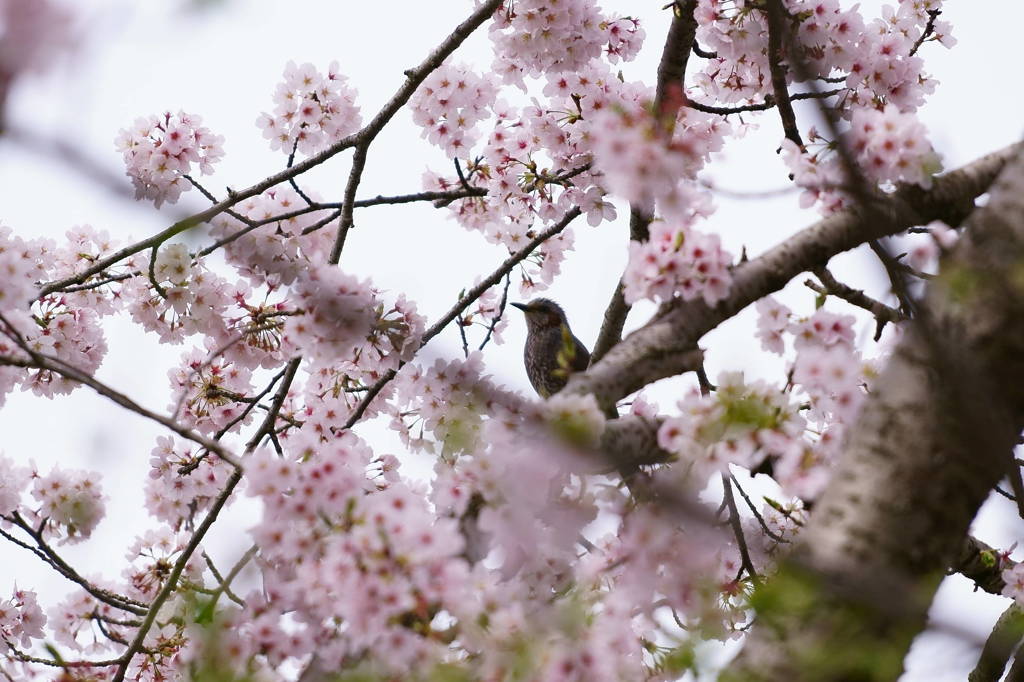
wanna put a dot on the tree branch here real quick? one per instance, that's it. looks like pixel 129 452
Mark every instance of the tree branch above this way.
pixel 830 285
pixel 999 646
pixel 777 40
pixel 41 361
pixel 634 362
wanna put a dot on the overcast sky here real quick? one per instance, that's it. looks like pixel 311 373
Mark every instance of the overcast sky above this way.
pixel 222 60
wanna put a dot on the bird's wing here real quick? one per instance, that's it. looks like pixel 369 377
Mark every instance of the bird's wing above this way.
pixel 581 356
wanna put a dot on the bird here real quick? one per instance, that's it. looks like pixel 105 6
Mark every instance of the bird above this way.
pixel 551 353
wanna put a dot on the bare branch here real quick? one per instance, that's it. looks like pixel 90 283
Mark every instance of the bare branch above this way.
pixel 830 285
pixel 777 40
pixel 999 646
pixel 54 560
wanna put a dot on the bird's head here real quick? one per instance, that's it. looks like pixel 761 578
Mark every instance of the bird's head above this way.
pixel 542 313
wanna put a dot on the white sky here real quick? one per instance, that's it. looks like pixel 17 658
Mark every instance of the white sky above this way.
pixel 223 62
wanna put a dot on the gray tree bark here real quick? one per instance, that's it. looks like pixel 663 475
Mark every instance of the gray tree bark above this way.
pixel 935 435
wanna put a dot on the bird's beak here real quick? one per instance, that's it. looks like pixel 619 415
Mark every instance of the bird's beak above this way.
pixel 522 306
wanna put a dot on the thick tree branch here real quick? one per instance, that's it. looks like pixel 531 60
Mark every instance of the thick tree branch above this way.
pixel 982 564
pixel 634 362
pixel 999 646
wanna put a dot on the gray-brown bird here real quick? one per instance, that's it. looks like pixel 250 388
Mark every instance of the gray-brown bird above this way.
pixel 552 353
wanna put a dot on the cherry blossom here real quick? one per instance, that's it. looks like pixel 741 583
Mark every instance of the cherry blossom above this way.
pixel 892 146
pixel 71 503
pixel 311 111
pixel 21 619
pixel 678 261
pixel 449 105
pixel 1013 576
pixel 159 152
pixel 740 423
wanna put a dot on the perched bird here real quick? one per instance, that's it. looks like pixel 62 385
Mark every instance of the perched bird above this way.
pixel 552 353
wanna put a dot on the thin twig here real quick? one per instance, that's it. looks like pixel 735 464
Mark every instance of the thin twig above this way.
pixel 465 341
pixel 501 311
pixel 768 103
pixel 52 559
pixel 933 14
pixel 52 364
pixel 830 285
pixel 282 392
pixel 291 181
pixel 152 272
pixel 757 513
pixel 225 582
pixel 737 528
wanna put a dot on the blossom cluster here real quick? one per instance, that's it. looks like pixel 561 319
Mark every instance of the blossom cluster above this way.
pixel 534 163
pixel 893 147
pixel 447 402
pixel 343 318
pixel 375 553
pixel 208 391
pixel 677 260
pixel 889 146
pixel 276 252
pixel 533 37
pixel 1013 576
pixel 63 327
pixel 21 620
pixel 833 376
pixel 21 266
pixel 191 299
pixel 449 104
pixel 877 57
pixel 311 111
pixel 741 423
pixel 71 502
pixel 182 482
pixel 159 152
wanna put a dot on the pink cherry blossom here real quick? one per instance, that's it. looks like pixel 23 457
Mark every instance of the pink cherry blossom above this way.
pixel 449 105
pixel 70 501
pixel 159 152
pixel 311 111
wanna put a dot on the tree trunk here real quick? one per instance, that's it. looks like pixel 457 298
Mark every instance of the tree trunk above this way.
pixel 934 437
